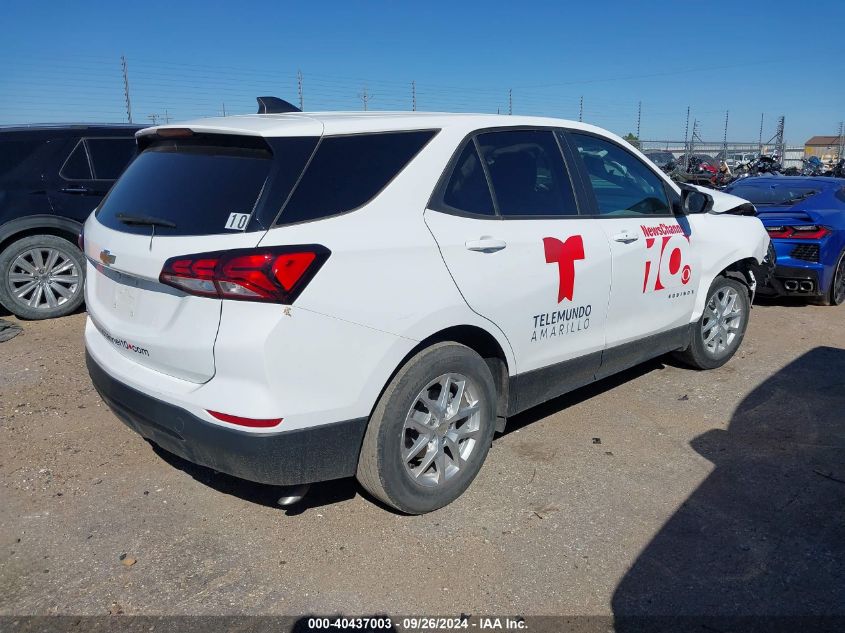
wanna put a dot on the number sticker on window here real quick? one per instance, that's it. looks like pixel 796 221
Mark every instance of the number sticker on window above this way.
pixel 237 221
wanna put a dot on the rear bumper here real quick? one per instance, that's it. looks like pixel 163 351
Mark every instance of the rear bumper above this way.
pixel 319 453
pixel 794 281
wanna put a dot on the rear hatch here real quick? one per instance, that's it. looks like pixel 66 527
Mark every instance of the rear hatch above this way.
pixel 186 193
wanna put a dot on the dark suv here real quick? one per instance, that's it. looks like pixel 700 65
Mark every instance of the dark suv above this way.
pixel 51 178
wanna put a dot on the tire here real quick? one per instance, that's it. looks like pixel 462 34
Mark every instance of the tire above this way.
pixel 728 305
pixel 28 290
pixel 406 457
pixel 836 294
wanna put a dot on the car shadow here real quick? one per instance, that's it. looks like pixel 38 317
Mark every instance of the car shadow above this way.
pixel 592 390
pixel 320 494
pixel 778 301
pixel 764 534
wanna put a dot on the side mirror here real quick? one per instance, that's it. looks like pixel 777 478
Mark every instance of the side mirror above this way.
pixel 695 201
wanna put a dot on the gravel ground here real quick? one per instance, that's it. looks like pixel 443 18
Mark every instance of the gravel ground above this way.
pixel 663 490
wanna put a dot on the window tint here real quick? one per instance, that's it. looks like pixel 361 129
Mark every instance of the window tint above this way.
pixel 110 156
pixel 76 167
pixel 467 189
pixel 196 188
pixel 772 194
pixel 623 185
pixel 348 171
pixel 527 173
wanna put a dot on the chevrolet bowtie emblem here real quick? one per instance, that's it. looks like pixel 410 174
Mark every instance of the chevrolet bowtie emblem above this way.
pixel 107 258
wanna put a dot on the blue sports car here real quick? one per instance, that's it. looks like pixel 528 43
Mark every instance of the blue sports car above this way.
pixel 805 217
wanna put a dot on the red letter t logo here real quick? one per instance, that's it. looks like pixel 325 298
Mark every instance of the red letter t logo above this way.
pixel 565 254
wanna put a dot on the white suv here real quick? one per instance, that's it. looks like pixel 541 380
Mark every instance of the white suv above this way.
pixel 302 297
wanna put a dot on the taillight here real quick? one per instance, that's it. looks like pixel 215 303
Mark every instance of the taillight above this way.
pixel 801 232
pixel 276 274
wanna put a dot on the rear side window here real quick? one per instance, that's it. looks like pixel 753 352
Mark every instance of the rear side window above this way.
pixel 527 172
pixel 110 156
pixel 622 183
pixel 76 166
pixel 346 172
pixel 467 188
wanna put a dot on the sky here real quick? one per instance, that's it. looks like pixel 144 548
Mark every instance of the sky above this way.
pixel 61 61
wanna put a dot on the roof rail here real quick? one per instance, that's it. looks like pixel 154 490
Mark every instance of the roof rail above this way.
pixel 274 105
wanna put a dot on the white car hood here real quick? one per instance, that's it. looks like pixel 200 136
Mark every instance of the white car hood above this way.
pixel 722 202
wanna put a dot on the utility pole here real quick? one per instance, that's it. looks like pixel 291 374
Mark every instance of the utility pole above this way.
pixel 126 88
pixel 166 116
pixel 153 118
pixel 639 117
pixel 224 108
pixel 413 96
pixel 365 98
pixel 725 138
pixel 299 89
pixel 510 101
pixel 692 138
pixel 581 109
pixel 686 142
pixel 841 153
pixel 760 142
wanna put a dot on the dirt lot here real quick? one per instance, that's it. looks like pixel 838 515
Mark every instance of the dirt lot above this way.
pixel 663 490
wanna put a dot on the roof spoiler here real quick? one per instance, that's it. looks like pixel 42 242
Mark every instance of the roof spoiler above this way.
pixel 274 105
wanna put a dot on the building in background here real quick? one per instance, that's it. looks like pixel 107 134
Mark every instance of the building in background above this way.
pixel 827 148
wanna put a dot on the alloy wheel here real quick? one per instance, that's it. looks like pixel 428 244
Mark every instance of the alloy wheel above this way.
pixel 442 429
pixel 839 282
pixel 722 321
pixel 43 278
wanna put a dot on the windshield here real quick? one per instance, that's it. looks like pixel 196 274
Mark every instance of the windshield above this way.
pixel 772 194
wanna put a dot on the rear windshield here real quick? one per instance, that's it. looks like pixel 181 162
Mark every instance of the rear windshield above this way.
pixel 772 194
pixel 194 187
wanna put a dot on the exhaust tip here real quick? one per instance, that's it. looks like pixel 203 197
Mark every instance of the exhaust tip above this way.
pixel 791 285
pixel 294 494
pixel 806 286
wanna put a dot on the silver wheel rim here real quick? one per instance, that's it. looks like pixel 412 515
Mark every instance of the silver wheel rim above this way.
pixel 43 278
pixel 722 320
pixel 442 429
pixel 839 282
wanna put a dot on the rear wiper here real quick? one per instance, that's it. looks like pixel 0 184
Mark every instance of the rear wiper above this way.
pixel 145 220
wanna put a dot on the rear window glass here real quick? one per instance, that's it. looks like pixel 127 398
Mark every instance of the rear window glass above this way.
pixel 346 172
pixel 527 172
pixel 110 156
pixel 195 188
pixel 765 194
pixel 467 189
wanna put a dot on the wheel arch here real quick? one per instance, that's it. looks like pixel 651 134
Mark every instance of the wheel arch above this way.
pixel 485 345
pixel 20 228
pixel 740 270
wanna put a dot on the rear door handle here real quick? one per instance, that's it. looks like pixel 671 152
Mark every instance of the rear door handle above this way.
pixel 80 190
pixel 625 237
pixel 485 245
